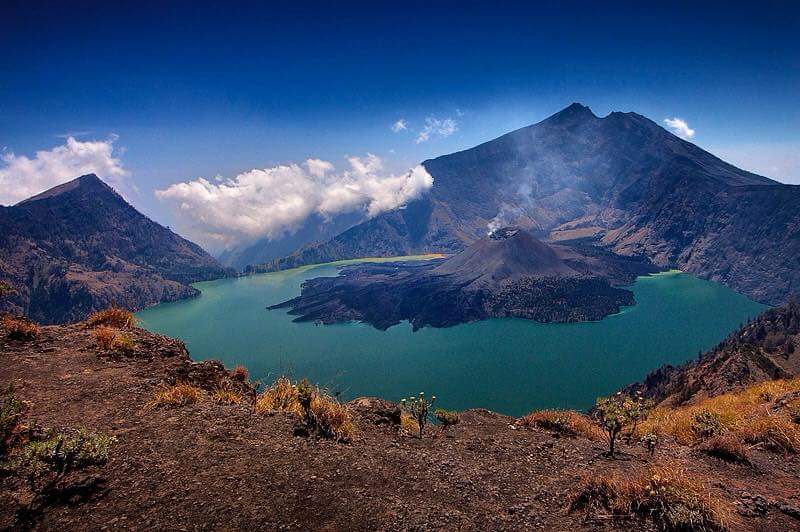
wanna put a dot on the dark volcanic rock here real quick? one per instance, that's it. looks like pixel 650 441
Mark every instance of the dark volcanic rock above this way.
pixel 507 274
pixel 81 247
pixel 622 180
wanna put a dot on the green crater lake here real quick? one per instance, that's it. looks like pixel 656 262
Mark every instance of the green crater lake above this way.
pixel 506 365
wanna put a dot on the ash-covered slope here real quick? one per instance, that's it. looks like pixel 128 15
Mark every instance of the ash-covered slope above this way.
pixel 80 247
pixel 507 274
pixel 621 180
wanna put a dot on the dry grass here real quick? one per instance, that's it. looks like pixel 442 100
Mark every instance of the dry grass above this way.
pixel 317 410
pixel 282 396
pixel 108 338
pixel 240 374
pixel 562 422
pixel 113 317
pixel 330 418
pixel 226 396
pixel 728 447
pixel 20 328
pixel 178 395
pixel 664 493
pixel 746 416
pixel 408 424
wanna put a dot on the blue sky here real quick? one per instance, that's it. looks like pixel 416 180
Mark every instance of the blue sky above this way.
pixel 188 89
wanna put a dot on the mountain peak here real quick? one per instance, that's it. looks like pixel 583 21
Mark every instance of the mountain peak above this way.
pixel 84 182
pixel 575 112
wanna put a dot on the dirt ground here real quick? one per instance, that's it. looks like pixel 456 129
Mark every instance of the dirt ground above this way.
pixel 217 466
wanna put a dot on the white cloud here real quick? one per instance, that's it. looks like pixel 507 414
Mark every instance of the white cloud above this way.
pixel 22 177
pixel 436 127
pixel 400 125
pixel 679 127
pixel 274 201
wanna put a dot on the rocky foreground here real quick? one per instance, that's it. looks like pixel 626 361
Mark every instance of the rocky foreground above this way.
pixel 213 464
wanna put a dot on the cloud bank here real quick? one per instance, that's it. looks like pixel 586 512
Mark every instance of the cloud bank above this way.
pixel 275 201
pixel 679 127
pixel 435 127
pixel 22 177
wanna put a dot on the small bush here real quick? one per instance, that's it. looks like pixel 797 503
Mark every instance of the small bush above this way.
pixel 665 494
pixel 225 395
pixel 447 418
pixel 707 424
pixel 418 408
pixel 47 461
pixel 562 422
pixel 727 447
pixel 617 413
pixel 282 396
pixel 11 411
pixel 240 374
pixel 20 328
pixel 178 395
pixel 113 317
pixel 124 344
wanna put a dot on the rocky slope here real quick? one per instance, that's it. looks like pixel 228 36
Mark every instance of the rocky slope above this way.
pixel 506 274
pixel 621 180
pixel 767 348
pixel 212 465
pixel 81 247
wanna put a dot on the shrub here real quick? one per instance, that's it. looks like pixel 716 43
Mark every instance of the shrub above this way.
pixel 728 447
pixel 124 344
pixel 282 396
pixel 447 418
pixel 225 395
pixel 46 462
pixel 178 395
pixel 650 442
pixel 20 328
pixel 419 409
pixel 707 424
pixel 6 289
pixel 240 374
pixel 562 422
pixel 618 412
pixel 408 424
pixel 665 494
pixel 113 317
pixel 11 411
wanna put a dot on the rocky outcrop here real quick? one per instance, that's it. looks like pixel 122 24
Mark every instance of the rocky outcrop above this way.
pixel 81 247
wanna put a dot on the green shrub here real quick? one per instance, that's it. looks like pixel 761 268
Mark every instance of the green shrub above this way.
pixel 618 412
pixel 11 410
pixel 706 424
pixel 46 461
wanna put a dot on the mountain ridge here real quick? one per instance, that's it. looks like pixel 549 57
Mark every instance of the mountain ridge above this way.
pixel 80 247
pixel 622 181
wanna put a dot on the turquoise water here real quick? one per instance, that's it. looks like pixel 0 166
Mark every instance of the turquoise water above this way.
pixel 507 365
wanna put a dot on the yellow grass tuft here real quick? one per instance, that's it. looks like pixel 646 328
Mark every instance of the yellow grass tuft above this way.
pixel 112 317
pixel 178 395
pixel 20 328
pixel 226 396
pixel 562 422
pixel 330 418
pixel 109 338
pixel 408 424
pixel 282 396
pixel 666 494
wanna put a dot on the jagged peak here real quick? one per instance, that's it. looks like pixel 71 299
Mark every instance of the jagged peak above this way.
pixel 572 113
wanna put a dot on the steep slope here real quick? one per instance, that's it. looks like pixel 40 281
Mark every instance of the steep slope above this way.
pixel 765 349
pixel 80 247
pixel 621 180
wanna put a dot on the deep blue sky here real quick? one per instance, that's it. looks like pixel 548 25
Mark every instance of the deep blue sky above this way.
pixel 198 90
